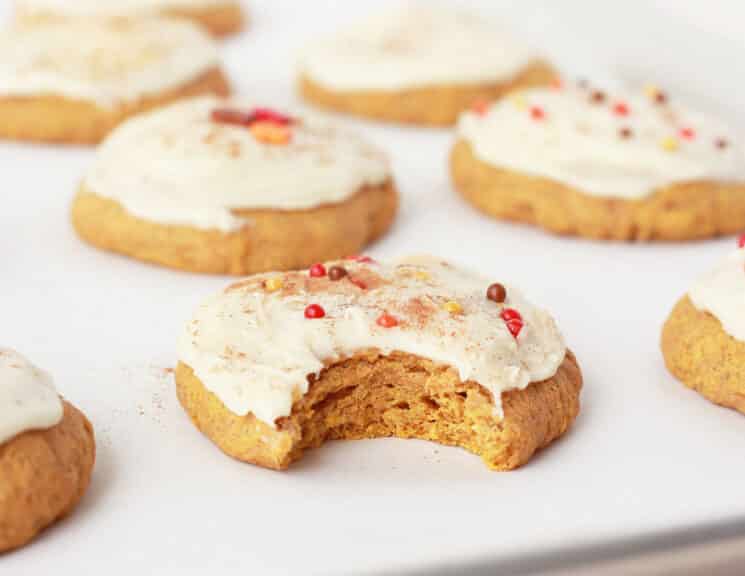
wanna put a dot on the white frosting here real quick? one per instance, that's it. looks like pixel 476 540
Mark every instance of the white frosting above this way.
pixel 28 400
pixel 414 45
pixel 177 166
pixel 254 348
pixel 108 7
pixel 579 142
pixel 107 63
pixel 721 292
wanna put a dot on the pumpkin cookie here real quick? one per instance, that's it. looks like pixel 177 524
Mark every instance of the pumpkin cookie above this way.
pixel 216 186
pixel 703 340
pixel 73 82
pixel 218 17
pixel 575 160
pixel 47 451
pixel 417 64
pixel 281 362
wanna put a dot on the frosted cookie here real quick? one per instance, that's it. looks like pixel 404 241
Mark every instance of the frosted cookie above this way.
pixel 217 186
pixel 73 82
pixel 703 340
pixel 579 161
pixel 219 17
pixel 47 451
pixel 417 64
pixel 281 362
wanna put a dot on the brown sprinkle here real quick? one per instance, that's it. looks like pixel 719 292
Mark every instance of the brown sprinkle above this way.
pixel 625 133
pixel 336 273
pixel 721 143
pixel 660 97
pixel 597 97
pixel 496 292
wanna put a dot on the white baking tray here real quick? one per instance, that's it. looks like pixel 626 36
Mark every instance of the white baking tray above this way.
pixel 646 456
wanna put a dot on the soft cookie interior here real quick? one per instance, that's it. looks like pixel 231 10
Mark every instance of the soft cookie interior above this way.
pixel 371 396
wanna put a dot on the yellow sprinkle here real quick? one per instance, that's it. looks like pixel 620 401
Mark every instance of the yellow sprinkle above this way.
pixel 453 307
pixel 519 101
pixel 670 144
pixel 273 284
pixel 651 91
pixel 422 275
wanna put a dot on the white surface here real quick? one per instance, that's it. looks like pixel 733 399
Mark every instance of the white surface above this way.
pixel 645 454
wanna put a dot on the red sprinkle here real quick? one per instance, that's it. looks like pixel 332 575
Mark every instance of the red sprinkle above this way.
pixel 537 113
pixel 317 271
pixel 515 326
pixel 480 107
pixel 361 259
pixel 387 321
pixel 621 109
pixel 687 133
pixel 314 311
pixel 741 241
pixel 359 283
pixel 272 116
pixel 511 314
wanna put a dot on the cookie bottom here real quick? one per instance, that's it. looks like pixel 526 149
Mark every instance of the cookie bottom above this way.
pixel 56 119
pixel 700 354
pixel 432 105
pixel 220 20
pixel 270 240
pixel 682 211
pixel 43 475
pixel 374 396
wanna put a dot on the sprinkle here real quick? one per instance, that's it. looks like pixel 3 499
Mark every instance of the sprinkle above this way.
pixel 670 144
pixel 317 271
pixel 314 311
pixel 655 94
pixel 597 97
pixel 421 275
pixel 336 273
pixel 515 326
pixel 514 321
pixel 509 314
pixel 453 307
pixel 270 133
pixel 359 283
pixel 557 84
pixel 721 143
pixel 361 259
pixel 496 293
pixel 687 133
pixel 625 133
pixel 480 107
pixel 537 113
pixel 741 241
pixel 519 101
pixel 273 284
pixel 621 109
pixel 387 321
pixel 271 116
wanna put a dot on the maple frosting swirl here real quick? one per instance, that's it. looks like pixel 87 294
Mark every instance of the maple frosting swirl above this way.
pixel 414 45
pixel 179 166
pixel 108 63
pixel 721 292
pixel 255 344
pixel 603 144
pixel 28 400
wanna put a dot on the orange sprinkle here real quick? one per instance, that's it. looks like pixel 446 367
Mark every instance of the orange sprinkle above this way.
pixel 271 133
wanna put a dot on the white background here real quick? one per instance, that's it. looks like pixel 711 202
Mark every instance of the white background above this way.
pixel 646 454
